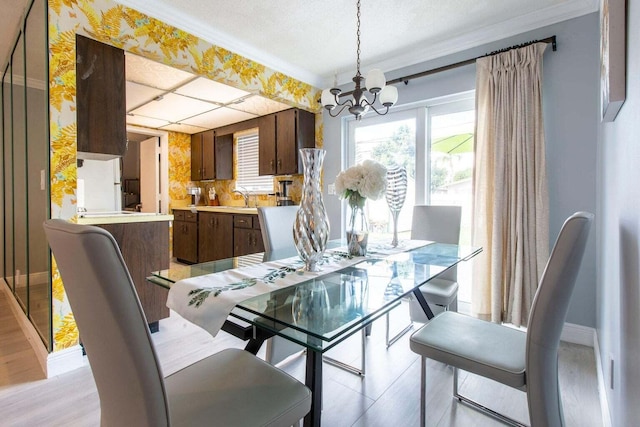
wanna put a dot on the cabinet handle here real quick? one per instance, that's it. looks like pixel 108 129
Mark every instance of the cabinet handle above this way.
pixel 272 164
pixel 279 163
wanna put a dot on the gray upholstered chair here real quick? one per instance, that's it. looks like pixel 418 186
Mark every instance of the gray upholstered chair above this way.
pixel 439 224
pixel 276 225
pixel 526 361
pixel 232 387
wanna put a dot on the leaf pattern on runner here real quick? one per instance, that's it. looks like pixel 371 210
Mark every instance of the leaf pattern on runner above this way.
pixel 201 294
pixel 279 273
pixel 198 296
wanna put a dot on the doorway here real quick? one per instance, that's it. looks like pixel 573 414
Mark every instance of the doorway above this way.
pixel 146 170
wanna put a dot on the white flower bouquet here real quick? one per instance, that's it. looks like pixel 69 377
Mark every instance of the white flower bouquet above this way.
pixel 362 181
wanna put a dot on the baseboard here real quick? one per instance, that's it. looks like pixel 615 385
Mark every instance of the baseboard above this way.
pixel 602 387
pixel 578 334
pixel 65 360
pixel 28 330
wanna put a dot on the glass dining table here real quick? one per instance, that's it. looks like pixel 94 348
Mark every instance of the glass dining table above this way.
pixel 322 311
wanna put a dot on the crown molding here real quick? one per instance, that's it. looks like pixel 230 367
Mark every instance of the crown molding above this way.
pixel 541 18
pixel 521 24
pixel 181 20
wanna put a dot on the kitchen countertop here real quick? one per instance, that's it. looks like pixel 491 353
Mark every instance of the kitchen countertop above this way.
pixel 93 218
pixel 220 209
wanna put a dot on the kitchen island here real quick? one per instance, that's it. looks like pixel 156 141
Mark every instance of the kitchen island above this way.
pixel 143 239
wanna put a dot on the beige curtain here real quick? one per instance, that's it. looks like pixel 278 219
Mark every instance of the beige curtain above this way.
pixel 510 189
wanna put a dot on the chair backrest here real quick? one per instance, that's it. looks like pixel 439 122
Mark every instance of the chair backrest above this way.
pixel 276 225
pixel 548 314
pixel 113 328
pixel 440 224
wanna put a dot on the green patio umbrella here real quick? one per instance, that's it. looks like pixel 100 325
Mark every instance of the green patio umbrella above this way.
pixel 454 144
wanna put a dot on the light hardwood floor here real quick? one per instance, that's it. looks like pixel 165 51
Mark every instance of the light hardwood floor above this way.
pixel 387 396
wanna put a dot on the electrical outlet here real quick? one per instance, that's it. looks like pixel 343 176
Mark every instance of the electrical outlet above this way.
pixel 42 179
pixel 331 189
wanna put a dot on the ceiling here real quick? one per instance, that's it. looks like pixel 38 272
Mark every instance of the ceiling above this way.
pixel 313 41
pixel 162 97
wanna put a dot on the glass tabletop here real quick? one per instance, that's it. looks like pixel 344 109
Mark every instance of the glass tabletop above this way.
pixel 321 312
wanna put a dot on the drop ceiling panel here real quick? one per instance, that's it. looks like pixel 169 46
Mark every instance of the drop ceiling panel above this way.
pixel 220 117
pixel 146 122
pixel 208 90
pixel 138 94
pixel 180 127
pixel 259 106
pixel 174 108
pixel 154 74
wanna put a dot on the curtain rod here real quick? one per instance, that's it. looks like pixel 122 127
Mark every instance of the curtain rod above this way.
pixel 406 79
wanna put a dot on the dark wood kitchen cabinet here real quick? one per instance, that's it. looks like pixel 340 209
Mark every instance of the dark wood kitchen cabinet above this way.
pixel 203 156
pixel 145 248
pixel 185 236
pixel 247 238
pixel 215 236
pixel 282 134
pixel 224 156
pixel 101 99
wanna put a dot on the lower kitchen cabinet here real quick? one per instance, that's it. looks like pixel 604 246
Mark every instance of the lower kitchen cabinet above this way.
pixel 247 238
pixel 145 248
pixel 211 236
pixel 215 236
pixel 185 236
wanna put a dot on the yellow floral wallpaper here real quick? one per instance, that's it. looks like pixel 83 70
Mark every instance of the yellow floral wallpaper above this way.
pixel 117 25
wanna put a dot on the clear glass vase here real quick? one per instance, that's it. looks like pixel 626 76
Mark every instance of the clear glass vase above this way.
pixel 357 228
pixel 311 227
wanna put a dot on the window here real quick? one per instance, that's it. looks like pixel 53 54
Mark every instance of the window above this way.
pixel 247 171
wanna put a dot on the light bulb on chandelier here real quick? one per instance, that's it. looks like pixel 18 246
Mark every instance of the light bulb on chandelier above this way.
pixel 375 83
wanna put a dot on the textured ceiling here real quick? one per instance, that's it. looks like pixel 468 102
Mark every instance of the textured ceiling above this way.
pixel 312 40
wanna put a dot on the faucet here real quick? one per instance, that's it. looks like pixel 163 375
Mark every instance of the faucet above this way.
pixel 245 195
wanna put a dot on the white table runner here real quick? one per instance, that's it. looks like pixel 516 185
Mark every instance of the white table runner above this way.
pixel 207 300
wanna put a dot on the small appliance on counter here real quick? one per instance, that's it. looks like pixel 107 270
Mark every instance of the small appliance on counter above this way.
pixel 282 197
pixel 195 193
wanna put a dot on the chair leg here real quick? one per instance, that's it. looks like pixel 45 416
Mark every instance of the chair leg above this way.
pixel 349 368
pixel 479 407
pixel 399 335
pixel 423 391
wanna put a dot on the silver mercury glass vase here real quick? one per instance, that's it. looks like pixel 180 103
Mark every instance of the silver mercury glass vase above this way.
pixel 396 194
pixel 311 227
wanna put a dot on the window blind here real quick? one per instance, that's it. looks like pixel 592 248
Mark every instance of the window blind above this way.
pixel 248 157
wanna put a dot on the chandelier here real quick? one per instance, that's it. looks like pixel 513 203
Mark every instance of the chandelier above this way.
pixel 375 83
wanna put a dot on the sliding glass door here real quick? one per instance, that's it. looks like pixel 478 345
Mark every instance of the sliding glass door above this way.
pixel 434 142
pixel 390 140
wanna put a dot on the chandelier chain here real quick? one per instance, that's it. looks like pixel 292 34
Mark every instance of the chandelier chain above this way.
pixel 358 40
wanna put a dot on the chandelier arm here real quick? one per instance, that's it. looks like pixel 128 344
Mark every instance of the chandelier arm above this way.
pixel 347 102
pixel 364 101
pixel 378 112
pixel 345 105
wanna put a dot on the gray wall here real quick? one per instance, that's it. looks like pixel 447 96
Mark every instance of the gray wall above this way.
pixel 618 220
pixel 570 97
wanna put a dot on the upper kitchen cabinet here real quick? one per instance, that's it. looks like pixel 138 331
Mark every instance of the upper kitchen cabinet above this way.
pixel 202 156
pixel 224 156
pixel 101 100
pixel 282 134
